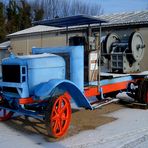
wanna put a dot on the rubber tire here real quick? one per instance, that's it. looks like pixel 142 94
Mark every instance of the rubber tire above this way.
pixel 143 92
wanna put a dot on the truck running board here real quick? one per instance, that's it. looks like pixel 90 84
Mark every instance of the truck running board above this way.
pixel 103 103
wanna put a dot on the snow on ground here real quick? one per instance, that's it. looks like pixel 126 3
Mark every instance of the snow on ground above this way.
pixel 130 130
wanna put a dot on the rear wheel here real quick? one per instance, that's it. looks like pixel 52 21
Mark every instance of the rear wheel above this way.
pixel 58 116
pixel 143 92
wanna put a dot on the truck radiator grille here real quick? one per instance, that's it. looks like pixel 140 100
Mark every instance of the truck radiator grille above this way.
pixel 10 89
pixel 11 73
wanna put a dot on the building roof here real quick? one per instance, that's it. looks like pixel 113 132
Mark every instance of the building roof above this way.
pixel 34 29
pixel 4 45
pixel 118 19
pixel 126 18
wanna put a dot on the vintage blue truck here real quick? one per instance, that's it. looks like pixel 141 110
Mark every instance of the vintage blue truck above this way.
pixel 42 86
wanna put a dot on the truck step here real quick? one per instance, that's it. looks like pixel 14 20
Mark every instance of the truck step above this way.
pixel 106 102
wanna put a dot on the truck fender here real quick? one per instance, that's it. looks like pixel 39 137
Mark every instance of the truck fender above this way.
pixel 47 89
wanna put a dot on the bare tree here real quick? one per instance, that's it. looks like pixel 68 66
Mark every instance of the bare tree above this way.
pixel 51 8
pixel 37 10
pixel 64 8
pixel 78 7
pixel 61 8
pixel 96 10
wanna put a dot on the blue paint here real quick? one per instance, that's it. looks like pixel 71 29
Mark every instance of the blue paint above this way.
pixel 40 68
pixel 76 54
pixel 101 92
pixel 47 89
pixel 23 93
pixel 115 80
pixel 22 111
pixel 45 72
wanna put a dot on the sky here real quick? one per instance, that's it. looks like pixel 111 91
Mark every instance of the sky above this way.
pixel 115 6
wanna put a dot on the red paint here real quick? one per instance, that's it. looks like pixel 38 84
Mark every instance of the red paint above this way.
pixel 67 95
pixel 115 87
pixel 147 97
pixel 60 116
pixel 89 91
pixel 26 100
pixel 5 115
pixel 93 91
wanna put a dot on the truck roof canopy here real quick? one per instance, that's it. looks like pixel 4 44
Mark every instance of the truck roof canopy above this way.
pixel 71 21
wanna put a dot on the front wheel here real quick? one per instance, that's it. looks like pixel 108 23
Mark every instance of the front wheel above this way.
pixel 4 113
pixel 58 116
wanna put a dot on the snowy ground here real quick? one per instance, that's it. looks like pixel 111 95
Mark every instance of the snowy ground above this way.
pixel 129 131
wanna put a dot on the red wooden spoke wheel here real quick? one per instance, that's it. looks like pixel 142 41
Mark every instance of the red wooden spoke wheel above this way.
pixel 58 116
pixel 5 115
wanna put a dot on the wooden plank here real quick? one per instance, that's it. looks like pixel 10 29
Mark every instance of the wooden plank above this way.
pixel 138 105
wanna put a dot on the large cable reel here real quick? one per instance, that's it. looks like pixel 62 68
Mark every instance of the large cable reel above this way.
pixel 108 41
pixel 123 53
pixel 136 46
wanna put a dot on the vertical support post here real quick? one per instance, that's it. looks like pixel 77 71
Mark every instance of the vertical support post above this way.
pixel 27 45
pixel 41 39
pixel 89 35
pixel 99 56
pixel 66 35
